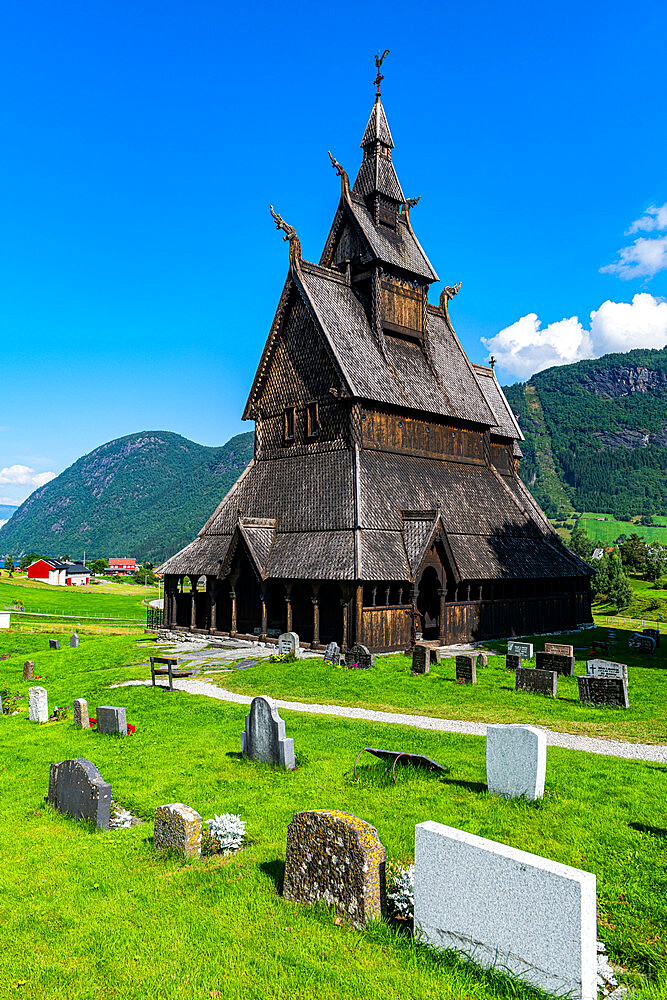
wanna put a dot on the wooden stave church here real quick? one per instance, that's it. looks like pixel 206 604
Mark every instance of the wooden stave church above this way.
pixel 384 500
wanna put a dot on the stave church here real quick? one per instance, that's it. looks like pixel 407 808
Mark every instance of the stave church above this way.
pixel 384 501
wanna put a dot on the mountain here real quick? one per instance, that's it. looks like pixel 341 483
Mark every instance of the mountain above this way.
pixel 596 434
pixel 145 495
pixel 6 511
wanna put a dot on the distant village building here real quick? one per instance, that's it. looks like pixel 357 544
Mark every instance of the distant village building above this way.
pixel 598 554
pixel 121 567
pixel 384 500
pixel 59 574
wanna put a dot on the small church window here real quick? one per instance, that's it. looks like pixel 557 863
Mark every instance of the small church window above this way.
pixel 312 420
pixel 288 424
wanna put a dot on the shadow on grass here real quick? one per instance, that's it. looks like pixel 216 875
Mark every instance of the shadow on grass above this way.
pixel 656 831
pixel 470 786
pixel 274 870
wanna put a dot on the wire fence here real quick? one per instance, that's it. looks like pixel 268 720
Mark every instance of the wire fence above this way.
pixel 63 617
pixel 621 621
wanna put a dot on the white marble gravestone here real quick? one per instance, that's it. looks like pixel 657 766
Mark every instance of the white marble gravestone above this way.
pixel 288 644
pixel 606 668
pixel 507 909
pixel 38 705
pixel 264 736
pixel 522 649
pixel 516 761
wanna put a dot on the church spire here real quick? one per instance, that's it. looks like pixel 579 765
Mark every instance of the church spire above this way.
pixel 377 175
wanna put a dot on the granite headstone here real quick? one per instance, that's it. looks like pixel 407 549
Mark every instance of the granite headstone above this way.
pixel 29 670
pixel 538 681
pixel 610 691
pixel 77 787
pixel 288 644
pixel 559 647
pixel 512 661
pixel 74 641
pixel 359 657
pixel 516 761
pixel 178 828
pixel 38 705
pixel 54 644
pixel 482 660
pixel 111 720
pixel 606 668
pixel 264 736
pixel 332 650
pixel 81 718
pixel 559 662
pixel 653 633
pixel 522 649
pixel 466 670
pixel 421 658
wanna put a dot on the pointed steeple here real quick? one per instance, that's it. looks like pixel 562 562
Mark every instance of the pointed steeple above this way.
pixel 377 175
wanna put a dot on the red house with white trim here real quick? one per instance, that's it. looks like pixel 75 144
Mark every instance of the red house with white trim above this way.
pixel 59 574
pixel 121 567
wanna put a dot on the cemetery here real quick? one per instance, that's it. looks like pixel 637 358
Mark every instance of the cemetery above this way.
pixel 327 829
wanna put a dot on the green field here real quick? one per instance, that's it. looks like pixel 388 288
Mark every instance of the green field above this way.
pixel 609 530
pixel 106 600
pixel 97 915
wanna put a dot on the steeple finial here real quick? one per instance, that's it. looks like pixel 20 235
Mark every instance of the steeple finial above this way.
pixel 290 234
pixel 379 59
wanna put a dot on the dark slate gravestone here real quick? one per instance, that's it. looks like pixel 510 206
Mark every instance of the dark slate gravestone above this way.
pixel 512 661
pixel 54 644
pixel 538 681
pixel 332 650
pixel 523 649
pixel 421 658
pixel 555 661
pixel 359 656
pixel 653 633
pixel 29 670
pixel 482 660
pixel 264 736
pixel 74 641
pixel 111 720
pixel 612 691
pixel 77 787
pixel 466 671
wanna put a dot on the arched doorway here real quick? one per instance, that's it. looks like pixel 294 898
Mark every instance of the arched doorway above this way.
pixel 428 602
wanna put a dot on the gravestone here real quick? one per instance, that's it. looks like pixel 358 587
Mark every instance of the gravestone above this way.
pixel 522 649
pixel 336 857
pixel 54 644
pixel 512 661
pixel 506 909
pixel 178 828
pixel 111 720
pixel 81 713
pixel 611 691
pixel 359 657
pixel 332 650
pixel 264 736
pixel 606 668
pixel 653 633
pixel 421 658
pixel 77 787
pixel 642 643
pixel 74 641
pixel 482 660
pixel 465 669
pixel 29 670
pixel 288 644
pixel 538 681
pixel 38 705
pixel 516 761
pixel 559 647
pixel 559 662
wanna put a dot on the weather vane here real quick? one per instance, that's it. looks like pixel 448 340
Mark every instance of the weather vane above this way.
pixel 378 62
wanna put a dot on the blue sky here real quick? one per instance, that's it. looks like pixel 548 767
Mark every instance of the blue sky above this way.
pixel 143 143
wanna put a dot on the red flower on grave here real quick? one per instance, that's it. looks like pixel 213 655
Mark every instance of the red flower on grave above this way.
pixel 92 722
pixel 130 728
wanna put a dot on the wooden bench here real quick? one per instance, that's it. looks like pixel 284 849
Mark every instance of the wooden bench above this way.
pixel 168 667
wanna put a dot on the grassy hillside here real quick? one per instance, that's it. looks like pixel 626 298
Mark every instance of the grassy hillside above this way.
pixel 145 495
pixel 596 434
pixel 610 529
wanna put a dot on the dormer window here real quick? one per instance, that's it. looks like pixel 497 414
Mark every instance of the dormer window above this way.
pixel 289 421
pixel 387 213
pixel 312 420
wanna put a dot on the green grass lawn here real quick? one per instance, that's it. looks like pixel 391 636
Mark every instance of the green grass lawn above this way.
pixel 98 915
pixel 390 686
pixel 609 530
pixel 648 602
pixel 106 600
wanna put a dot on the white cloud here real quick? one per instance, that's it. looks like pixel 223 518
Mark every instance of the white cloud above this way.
pixel 3 522
pixel 524 349
pixel 643 259
pixel 9 500
pixel 23 475
pixel 654 218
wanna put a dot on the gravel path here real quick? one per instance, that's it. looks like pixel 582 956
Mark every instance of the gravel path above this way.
pixel 590 744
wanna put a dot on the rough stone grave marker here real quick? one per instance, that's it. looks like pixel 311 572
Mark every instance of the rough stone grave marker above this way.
pixel 54 644
pixel 178 828
pixel 77 787
pixel 508 909
pixel 538 681
pixel 606 668
pixel 559 662
pixel 74 641
pixel 522 649
pixel 336 857
pixel 653 633
pixel 38 705
pixel 112 720
pixel 559 647
pixel 482 660
pixel 466 669
pixel 288 644
pixel 81 718
pixel 359 657
pixel 611 691
pixel 642 643
pixel 516 761
pixel 332 650
pixel 421 658
pixel 512 661
pixel 29 670
pixel 264 736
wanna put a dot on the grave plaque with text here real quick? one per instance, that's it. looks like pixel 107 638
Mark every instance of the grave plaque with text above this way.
pixel 288 644
pixel 359 657
pixel 555 661
pixel 559 647
pixel 538 681
pixel 611 691
pixel 522 649
pixel 606 668
pixel 421 659
pixel 512 661
pixel 466 670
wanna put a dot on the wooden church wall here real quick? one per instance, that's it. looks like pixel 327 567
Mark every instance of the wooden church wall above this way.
pixel 380 430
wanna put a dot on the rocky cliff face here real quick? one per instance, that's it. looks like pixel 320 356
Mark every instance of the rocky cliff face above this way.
pixel 614 383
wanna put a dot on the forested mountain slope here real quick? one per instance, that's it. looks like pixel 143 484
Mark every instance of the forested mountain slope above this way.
pixel 145 495
pixel 596 434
